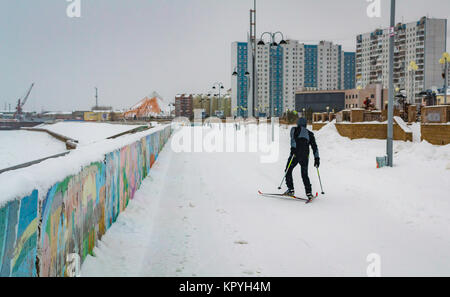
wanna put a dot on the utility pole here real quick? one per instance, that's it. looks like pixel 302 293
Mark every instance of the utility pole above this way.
pixel 253 44
pixel 390 131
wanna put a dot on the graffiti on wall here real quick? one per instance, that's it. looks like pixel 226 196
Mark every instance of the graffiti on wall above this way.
pixel 75 212
pixel 73 218
pixel 18 237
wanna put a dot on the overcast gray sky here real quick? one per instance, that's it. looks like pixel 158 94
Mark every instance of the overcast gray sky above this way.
pixel 129 48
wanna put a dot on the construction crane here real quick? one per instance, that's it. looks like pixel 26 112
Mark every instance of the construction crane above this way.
pixel 21 102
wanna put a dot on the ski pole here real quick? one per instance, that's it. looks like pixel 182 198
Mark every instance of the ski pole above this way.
pixel 287 169
pixel 320 181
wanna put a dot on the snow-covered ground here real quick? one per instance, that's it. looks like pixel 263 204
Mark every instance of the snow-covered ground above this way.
pixel 198 214
pixel 88 132
pixel 18 147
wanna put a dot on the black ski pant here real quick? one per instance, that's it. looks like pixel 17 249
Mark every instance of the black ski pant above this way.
pixel 304 169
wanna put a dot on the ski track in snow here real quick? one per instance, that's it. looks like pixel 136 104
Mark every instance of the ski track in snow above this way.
pixel 199 214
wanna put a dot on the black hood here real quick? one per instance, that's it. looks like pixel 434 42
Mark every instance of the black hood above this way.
pixel 302 122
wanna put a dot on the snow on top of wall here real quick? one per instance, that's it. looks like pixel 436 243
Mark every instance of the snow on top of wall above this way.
pixel 423 151
pixel 21 182
pixel 88 132
pixel 402 124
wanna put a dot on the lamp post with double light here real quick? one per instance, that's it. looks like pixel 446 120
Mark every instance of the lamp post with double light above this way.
pixel 273 45
pixel 219 86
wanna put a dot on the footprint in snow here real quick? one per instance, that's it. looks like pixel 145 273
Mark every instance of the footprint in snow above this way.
pixel 241 242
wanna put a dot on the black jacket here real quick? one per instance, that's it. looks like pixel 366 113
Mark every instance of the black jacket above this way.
pixel 301 139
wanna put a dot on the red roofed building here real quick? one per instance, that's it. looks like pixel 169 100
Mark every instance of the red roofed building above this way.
pixel 150 106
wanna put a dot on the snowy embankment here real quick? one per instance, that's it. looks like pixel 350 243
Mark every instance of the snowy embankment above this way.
pixel 18 147
pixel 21 182
pixel 198 214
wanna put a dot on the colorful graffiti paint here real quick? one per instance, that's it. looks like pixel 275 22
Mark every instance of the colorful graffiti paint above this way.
pixel 18 237
pixel 73 218
pixel 75 213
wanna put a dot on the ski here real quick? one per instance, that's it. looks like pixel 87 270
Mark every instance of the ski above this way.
pixel 281 196
pixel 312 199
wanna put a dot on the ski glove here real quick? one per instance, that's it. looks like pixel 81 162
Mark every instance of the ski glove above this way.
pixel 293 151
pixel 317 162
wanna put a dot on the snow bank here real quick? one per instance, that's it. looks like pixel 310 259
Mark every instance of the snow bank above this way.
pixel 402 124
pixel 21 182
pixel 18 147
pixel 417 185
pixel 73 201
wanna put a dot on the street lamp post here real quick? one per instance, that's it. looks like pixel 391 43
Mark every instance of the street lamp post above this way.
pixel 202 103
pixel 217 85
pixel 445 60
pixel 273 43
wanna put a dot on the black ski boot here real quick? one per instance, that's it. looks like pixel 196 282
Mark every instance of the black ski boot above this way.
pixel 310 197
pixel 289 192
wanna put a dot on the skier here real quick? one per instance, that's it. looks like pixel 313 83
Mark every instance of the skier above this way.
pixel 301 139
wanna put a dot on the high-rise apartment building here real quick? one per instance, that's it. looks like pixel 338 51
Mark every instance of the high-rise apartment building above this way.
pixel 349 71
pixel 284 69
pixel 240 90
pixel 423 42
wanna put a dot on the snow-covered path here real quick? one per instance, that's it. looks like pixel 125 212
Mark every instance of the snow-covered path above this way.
pixel 198 214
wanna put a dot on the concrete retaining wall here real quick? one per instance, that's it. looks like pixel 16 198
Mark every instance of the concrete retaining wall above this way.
pixel 372 131
pixel 318 125
pixel 37 235
pixel 438 134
